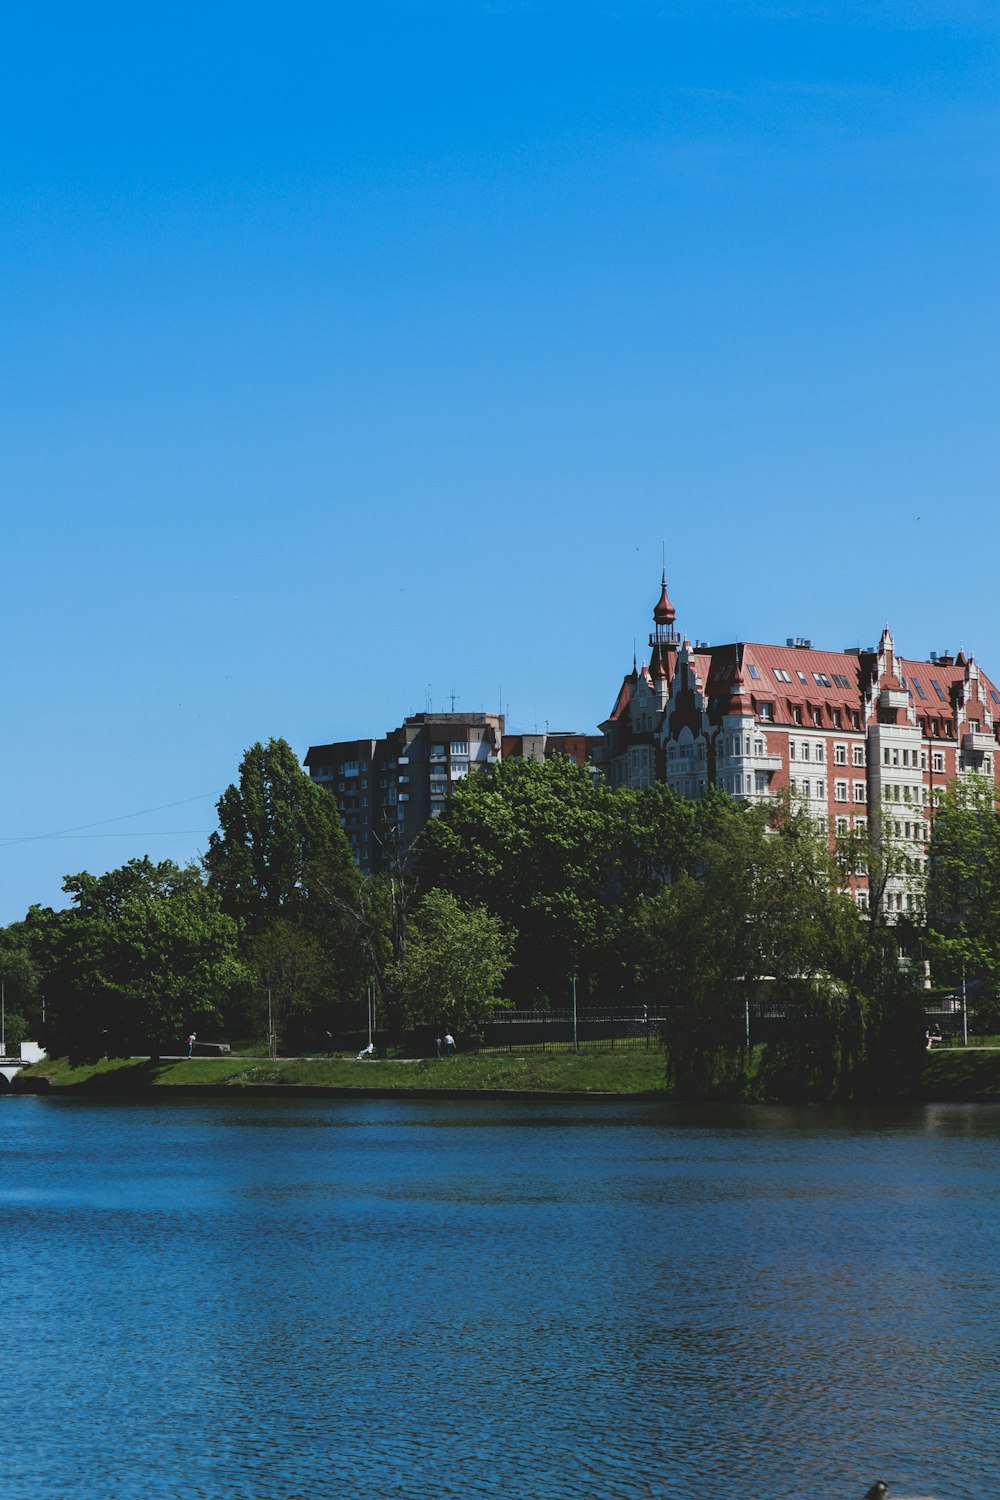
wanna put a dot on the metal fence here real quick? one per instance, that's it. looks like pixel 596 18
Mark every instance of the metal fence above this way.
pixel 596 1031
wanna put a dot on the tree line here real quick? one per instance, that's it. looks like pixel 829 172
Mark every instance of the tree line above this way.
pixel 537 876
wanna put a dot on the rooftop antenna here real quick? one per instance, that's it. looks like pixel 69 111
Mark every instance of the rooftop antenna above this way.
pixel 453 696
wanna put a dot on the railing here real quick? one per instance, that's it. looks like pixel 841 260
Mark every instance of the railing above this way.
pixel 596 1031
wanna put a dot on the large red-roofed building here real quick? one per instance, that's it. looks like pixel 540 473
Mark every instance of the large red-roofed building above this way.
pixel 855 735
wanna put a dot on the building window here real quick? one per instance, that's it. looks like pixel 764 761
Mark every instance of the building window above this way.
pixel 835 716
pixel 840 755
pixel 858 755
pixel 805 749
pixel 937 760
pixel 820 752
pixel 766 712
pixel 821 788
pixel 796 714
pixel 459 747
pixel 860 792
pixel 841 827
pixel 862 898
pixel 791 749
pixel 840 791
pixel 817 716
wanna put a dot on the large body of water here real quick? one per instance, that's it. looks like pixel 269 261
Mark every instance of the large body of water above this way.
pixel 370 1299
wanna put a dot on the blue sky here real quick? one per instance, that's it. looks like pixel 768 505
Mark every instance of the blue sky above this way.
pixel 356 355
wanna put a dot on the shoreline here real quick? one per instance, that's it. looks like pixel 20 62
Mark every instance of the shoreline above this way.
pixel 952 1076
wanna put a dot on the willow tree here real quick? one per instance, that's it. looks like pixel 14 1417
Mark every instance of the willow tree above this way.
pixel 765 911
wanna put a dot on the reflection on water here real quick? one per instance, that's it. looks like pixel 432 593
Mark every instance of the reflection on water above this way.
pixel 381 1298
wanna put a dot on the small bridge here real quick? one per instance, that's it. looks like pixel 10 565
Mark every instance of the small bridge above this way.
pixel 10 1067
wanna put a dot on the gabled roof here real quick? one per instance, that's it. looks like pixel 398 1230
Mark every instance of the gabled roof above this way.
pixel 933 686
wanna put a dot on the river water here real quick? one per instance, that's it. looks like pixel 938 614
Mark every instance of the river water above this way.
pixel 369 1299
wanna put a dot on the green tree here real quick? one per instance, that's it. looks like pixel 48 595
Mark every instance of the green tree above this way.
pixel 456 959
pixel 534 844
pixel 280 850
pixel 27 950
pixel 963 889
pixel 144 954
pixel 292 968
pixel 659 837
pixel 282 866
pixel 766 913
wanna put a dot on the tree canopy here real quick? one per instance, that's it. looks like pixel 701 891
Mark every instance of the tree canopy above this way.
pixel 144 954
pixel 280 849
pixel 963 889
pixel 532 843
pixel 456 959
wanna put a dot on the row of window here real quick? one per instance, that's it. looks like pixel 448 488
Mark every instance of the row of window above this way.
pixel 821 679
pixel 765 712
pixel 894 792
pixel 841 792
pixel 458 747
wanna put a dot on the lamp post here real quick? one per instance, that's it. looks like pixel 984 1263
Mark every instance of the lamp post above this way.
pixel 965 1012
pixel 576 1043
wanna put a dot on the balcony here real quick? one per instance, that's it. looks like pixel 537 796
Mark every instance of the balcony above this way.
pixel 978 743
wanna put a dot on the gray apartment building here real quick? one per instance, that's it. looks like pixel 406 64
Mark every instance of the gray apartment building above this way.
pixel 388 789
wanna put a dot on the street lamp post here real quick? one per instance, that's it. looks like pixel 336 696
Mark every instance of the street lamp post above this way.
pixel 576 1043
pixel 965 1012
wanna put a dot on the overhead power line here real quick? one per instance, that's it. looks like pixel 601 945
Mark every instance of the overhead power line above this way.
pixel 84 828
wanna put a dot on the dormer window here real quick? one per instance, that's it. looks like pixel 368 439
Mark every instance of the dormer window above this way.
pixel 765 712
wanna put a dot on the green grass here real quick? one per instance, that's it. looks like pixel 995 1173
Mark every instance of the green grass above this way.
pixel 554 1071
pixel 957 1073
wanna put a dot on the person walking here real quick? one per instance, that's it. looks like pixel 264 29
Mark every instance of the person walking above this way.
pixel 449 1045
pixel 191 1041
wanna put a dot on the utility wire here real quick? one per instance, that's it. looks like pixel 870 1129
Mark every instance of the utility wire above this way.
pixel 80 828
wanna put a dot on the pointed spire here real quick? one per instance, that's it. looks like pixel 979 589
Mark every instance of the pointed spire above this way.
pixel 739 699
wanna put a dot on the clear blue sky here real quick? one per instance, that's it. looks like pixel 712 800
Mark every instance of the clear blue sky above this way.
pixel 355 355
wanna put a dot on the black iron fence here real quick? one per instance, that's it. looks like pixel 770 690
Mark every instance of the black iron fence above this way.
pixel 595 1030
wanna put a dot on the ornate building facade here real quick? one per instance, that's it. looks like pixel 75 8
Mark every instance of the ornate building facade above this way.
pixel 863 739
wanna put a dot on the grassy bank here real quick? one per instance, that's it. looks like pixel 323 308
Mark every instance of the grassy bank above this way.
pixel 952 1073
pixel 549 1072
pixel 962 1073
